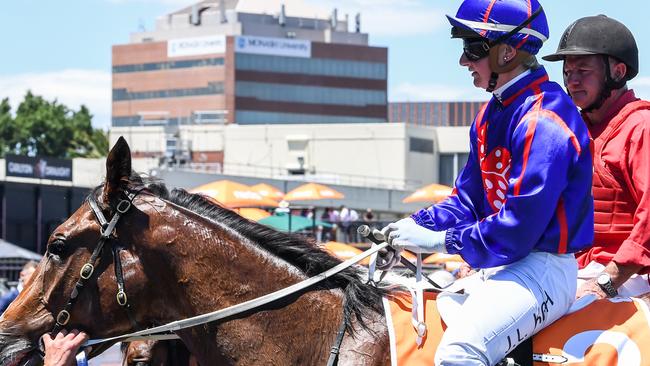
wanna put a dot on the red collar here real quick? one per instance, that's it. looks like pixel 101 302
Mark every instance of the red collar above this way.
pixel 613 109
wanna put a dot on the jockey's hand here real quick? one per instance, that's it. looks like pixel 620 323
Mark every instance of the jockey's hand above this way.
pixel 590 287
pixel 465 270
pixel 387 259
pixel 406 234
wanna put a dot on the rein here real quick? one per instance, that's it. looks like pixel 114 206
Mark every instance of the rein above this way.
pixel 239 308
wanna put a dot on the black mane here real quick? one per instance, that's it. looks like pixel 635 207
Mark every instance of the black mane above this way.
pixel 303 253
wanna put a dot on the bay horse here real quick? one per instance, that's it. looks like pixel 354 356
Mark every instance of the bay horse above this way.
pixel 180 256
pixel 175 255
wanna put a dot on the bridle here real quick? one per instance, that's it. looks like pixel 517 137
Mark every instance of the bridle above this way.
pixel 107 235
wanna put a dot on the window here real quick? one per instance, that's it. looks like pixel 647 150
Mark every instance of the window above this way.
pixel 212 88
pixel 311 66
pixel 420 145
pixel 450 166
pixel 246 117
pixel 154 66
pixel 309 94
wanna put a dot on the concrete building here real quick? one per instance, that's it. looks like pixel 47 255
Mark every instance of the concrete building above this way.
pixel 214 63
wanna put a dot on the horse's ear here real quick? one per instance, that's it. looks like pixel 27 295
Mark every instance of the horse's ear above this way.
pixel 118 169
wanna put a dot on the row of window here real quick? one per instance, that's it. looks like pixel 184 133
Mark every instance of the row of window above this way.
pixel 310 94
pixel 311 66
pixel 123 94
pixel 169 65
pixel 434 113
pixel 244 117
pixel 194 119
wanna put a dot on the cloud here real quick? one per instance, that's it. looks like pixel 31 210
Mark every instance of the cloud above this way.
pixel 390 18
pixel 411 92
pixel 72 87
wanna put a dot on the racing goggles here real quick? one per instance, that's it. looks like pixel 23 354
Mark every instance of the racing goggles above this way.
pixel 476 48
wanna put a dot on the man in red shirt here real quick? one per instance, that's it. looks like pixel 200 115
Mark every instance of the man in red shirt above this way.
pixel 600 55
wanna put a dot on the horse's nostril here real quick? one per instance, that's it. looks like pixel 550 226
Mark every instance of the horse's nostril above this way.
pixel 141 363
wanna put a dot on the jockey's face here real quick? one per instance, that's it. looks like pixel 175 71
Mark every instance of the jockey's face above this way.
pixel 480 70
pixel 584 76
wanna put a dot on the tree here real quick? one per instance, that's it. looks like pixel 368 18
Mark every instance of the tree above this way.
pixel 45 128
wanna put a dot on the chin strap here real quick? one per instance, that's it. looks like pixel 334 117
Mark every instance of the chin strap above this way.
pixel 492 84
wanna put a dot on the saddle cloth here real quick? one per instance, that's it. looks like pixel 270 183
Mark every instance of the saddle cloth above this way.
pixel 603 332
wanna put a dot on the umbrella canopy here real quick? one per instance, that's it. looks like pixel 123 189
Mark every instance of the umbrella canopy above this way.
pixel 268 191
pixel 252 213
pixel 313 191
pixel 233 194
pixel 298 223
pixel 8 250
pixel 344 251
pixel 432 193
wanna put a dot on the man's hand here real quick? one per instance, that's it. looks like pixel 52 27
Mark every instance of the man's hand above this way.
pixel 406 234
pixel 590 287
pixel 61 350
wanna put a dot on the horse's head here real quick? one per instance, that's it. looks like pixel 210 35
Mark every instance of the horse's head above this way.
pixel 58 297
pixel 156 353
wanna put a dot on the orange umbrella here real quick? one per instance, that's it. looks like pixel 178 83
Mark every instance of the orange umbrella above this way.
pixel 233 194
pixel 252 213
pixel 268 191
pixel 344 251
pixel 313 191
pixel 431 193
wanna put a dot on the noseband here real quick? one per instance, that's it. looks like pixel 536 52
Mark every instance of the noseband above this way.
pixel 107 235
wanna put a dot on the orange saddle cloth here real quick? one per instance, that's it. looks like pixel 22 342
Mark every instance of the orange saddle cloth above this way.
pixel 605 332
pixel 403 347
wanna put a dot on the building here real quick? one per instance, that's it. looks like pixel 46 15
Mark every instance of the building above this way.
pixel 214 63
pixel 434 113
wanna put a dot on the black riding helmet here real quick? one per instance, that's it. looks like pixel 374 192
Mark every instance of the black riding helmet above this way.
pixel 599 35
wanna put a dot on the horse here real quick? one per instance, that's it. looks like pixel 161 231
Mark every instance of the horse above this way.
pixel 156 353
pixel 175 255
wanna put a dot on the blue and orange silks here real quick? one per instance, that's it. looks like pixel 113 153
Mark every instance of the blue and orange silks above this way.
pixel 527 182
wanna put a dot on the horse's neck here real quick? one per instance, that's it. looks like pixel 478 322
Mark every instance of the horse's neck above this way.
pixel 218 268
pixel 300 333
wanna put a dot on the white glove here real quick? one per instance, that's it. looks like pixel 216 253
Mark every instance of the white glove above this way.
pixel 406 234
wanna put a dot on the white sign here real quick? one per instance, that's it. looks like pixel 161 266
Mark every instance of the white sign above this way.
pixel 273 46
pixel 196 46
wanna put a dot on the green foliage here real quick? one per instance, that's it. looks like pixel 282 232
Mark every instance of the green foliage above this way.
pixel 45 128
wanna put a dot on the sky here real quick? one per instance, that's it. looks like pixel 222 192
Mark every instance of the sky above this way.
pixel 62 49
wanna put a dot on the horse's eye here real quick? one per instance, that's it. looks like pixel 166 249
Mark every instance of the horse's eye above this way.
pixel 56 247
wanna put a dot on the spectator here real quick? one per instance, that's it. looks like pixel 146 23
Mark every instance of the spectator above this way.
pixel 368 216
pixel 25 275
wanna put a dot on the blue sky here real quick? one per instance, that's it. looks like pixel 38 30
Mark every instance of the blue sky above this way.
pixel 62 49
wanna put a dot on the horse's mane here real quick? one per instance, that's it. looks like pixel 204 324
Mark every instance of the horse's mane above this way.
pixel 303 253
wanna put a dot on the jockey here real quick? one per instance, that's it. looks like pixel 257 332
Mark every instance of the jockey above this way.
pixel 522 205
pixel 600 55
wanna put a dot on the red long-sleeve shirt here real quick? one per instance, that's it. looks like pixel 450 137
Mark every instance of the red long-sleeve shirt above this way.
pixel 623 223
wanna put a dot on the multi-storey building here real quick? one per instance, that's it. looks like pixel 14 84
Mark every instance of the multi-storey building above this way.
pixel 212 64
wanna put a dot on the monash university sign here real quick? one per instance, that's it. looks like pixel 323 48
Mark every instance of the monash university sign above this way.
pixel 273 46
pixel 40 168
pixel 196 46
